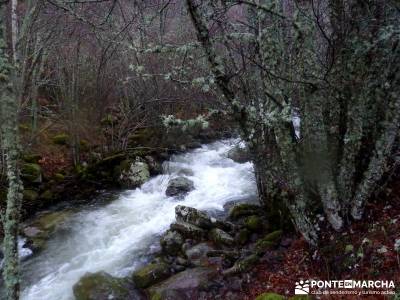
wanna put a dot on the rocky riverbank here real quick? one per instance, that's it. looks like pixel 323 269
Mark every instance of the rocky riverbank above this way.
pixel 201 257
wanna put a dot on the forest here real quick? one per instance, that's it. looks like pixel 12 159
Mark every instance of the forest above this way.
pixel 199 149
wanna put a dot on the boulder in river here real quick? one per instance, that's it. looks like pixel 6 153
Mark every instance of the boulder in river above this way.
pixel 239 154
pixel 151 274
pixel 102 286
pixel 197 255
pixel 133 174
pixel 155 166
pixel 193 216
pixel 179 186
pixel 171 242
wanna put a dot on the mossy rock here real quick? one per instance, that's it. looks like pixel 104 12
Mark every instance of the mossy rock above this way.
pixel 220 237
pixel 151 274
pixel 32 158
pixel 59 177
pixel 47 195
pixel 269 241
pixel 243 265
pixel 242 236
pixel 244 209
pixel 188 230
pixel 31 172
pixel 270 296
pixel 101 286
pixel 60 139
pixel 254 223
pixel 30 195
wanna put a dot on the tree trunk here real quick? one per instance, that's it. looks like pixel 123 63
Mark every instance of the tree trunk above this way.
pixel 11 217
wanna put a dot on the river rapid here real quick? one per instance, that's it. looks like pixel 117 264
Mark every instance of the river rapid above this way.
pixel 120 236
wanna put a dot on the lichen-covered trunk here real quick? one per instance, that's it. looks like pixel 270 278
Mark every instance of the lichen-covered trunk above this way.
pixel 11 216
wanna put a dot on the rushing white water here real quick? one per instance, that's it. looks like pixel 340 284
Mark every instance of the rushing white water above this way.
pixel 119 236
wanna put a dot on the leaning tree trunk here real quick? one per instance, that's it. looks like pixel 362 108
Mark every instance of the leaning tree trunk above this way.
pixel 11 216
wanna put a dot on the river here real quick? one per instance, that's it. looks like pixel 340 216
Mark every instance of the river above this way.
pixel 119 236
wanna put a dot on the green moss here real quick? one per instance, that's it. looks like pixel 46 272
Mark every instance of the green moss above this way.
pixel 59 177
pixel 300 297
pixel 31 172
pixel 243 236
pixel 47 195
pixel 244 209
pixel 30 195
pixel 269 241
pixel 61 139
pixel 270 296
pixel 254 223
pixel 32 158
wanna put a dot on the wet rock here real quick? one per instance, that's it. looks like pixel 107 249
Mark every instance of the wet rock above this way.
pixel 155 167
pixel 179 186
pixel 151 274
pixel 188 230
pixel 193 216
pixel 242 265
pixel 102 286
pixel 244 209
pixel 32 173
pixel 254 223
pixel 239 154
pixel 171 242
pixel 270 296
pixel 133 174
pixel 185 284
pixel 185 172
pixel 220 237
pixel 40 230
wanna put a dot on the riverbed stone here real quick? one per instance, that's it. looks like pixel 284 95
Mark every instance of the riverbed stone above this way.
pixel 102 286
pixel 188 230
pixel 193 216
pixel 171 242
pixel 239 154
pixel 179 186
pixel 185 284
pixel 151 274
pixel 133 174
pixel 220 237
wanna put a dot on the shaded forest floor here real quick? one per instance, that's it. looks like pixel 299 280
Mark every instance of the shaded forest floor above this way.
pixel 366 251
